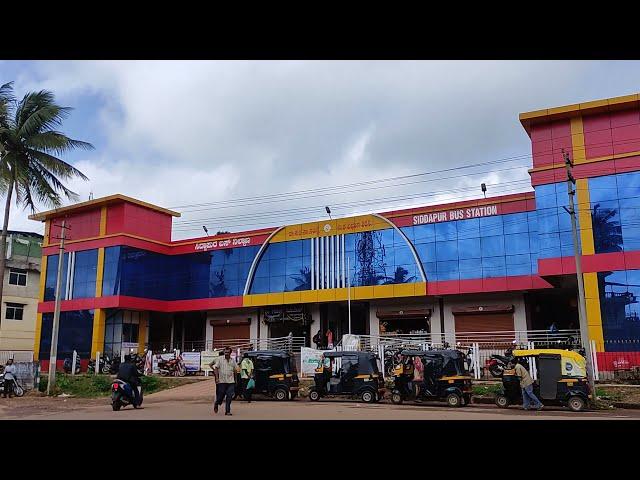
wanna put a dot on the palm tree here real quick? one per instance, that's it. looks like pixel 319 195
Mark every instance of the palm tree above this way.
pixel 29 150
pixel 399 276
pixel 303 280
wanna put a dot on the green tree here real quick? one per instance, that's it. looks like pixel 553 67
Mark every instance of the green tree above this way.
pixel 30 147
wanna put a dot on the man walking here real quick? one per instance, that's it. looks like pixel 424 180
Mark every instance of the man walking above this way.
pixel 246 373
pixel 224 370
pixel 526 384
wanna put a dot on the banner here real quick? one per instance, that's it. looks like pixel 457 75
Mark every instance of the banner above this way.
pixel 309 360
pixel 207 357
pixel 191 361
pixel 148 363
pixel 350 342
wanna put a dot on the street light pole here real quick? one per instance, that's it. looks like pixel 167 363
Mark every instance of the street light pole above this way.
pixel 582 311
pixel 56 316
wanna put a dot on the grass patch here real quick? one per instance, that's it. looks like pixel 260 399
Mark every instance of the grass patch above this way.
pixel 490 390
pixel 93 386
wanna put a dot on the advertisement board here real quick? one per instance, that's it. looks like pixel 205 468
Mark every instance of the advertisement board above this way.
pixel 191 361
pixel 309 361
pixel 207 357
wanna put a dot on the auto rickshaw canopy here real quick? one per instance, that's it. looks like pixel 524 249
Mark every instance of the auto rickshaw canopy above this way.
pixel 451 361
pixel 573 364
pixel 365 362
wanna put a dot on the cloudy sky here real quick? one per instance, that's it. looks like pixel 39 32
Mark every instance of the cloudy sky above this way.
pixel 222 141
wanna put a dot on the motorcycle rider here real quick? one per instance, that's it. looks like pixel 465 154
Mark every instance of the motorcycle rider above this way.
pixel 129 373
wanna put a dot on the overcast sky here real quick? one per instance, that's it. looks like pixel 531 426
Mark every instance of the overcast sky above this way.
pixel 180 133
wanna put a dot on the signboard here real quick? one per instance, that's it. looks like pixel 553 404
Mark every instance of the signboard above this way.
pixel 456 214
pixel 309 360
pixel 218 244
pixel 191 361
pixel 129 346
pixel 207 357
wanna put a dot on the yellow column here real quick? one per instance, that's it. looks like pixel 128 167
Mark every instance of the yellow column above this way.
pixel 591 291
pixel 97 340
pixel 38 330
pixel 103 221
pixel 577 140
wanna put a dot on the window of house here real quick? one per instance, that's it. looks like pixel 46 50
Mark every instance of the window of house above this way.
pixel 14 311
pixel 18 276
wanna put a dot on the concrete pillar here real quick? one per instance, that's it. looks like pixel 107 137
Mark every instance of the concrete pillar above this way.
pixel 374 321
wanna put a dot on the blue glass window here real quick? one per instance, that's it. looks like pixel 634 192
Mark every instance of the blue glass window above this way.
pixel 74 333
pixel 52 275
pixel 470 268
pixel 447 250
pixel 492 246
pixel 515 223
pixel 447 270
pixel 517 243
pixel 493 267
pixel 425 233
pixel 469 248
pixel 628 185
pixel 469 228
pixel 518 264
pixel 426 252
pixel 446 231
pixel 84 274
pixel 602 189
pixel 490 226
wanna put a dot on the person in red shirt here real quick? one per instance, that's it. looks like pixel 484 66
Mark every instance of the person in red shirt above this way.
pixel 329 336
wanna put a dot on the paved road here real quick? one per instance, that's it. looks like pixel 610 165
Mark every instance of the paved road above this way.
pixel 193 402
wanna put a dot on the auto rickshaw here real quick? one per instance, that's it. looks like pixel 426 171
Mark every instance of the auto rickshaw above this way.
pixel 562 379
pixel 348 374
pixel 274 373
pixel 443 377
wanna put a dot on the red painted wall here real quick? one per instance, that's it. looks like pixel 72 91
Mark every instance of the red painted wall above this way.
pixel 612 133
pixel 81 225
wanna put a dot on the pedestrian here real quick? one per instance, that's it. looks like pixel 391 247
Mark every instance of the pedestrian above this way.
pixel 317 339
pixel 246 374
pixel 329 336
pixel 9 377
pixel 526 384
pixel 224 369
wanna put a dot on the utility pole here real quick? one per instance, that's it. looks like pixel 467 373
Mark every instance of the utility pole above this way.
pixel 582 310
pixel 56 315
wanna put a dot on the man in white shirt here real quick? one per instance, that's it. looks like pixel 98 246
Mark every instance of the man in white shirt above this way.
pixel 224 369
pixel 9 377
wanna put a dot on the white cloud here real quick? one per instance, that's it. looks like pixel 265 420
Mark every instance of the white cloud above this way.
pixel 181 133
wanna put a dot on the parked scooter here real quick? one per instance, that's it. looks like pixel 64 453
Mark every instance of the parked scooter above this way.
pixel 67 365
pixel 122 395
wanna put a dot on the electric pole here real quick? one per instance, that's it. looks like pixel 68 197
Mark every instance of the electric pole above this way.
pixel 56 315
pixel 582 310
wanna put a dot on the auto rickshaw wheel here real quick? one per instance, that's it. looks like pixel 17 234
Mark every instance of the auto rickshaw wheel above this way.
pixel 576 403
pixel 367 396
pixel 314 396
pixel 396 397
pixel 502 401
pixel 281 394
pixel 454 400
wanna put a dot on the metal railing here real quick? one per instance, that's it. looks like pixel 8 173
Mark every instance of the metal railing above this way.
pixel 287 344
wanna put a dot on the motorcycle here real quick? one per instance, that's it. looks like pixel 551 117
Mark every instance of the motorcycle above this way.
pixel 122 395
pixel 391 359
pixel 18 391
pixel 174 367
pixel 67 365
